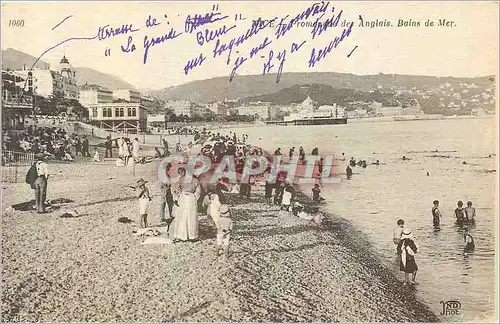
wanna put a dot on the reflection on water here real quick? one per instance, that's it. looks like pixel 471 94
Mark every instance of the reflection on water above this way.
pixel 377 196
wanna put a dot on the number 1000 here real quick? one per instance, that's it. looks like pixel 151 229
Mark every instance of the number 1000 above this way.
pixel 16 23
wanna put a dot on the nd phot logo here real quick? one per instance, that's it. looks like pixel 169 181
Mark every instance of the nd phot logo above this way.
pixel 450 307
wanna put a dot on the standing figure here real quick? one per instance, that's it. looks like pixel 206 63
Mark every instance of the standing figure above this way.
pixel 348 171
pixel 398 232
pixel 315 193
pixel 224 228
pixel 286 201
pixel 109 148
pixel 436 214
pixel 40 183
pixel 407 250
pixel 167 199
pixel 184 227
pixel 85 147
pixel 460 213
pixel 145 198
pixel 121 153
pixel 135 149
pixel 470 213
pixel 469 241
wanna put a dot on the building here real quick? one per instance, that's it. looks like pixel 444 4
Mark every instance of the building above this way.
pixel 67 80
pixel 123 116
pixel 45 83
pixel 218 108
pixel 148 103
pixel 92 94
pixel 261 110
pixel 16 103
pixel 127 95
pixel 182 107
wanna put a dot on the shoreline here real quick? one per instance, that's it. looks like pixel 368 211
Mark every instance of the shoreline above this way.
pixel 91 268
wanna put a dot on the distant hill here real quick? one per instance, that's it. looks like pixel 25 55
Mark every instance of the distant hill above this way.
pixel 91 76
pixel 16 60
pixel 254 85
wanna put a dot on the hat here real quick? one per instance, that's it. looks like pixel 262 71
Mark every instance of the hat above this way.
pixel 140 182
pixel 406 234
pixel 224 209
pixel 39 156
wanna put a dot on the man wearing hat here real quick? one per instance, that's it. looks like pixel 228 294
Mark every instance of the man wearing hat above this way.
pixel 41 183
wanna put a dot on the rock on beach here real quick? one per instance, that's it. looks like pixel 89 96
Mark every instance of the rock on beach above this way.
pixel 91 268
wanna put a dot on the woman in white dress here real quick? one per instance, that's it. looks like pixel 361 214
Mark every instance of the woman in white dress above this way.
pixel 184 227
pixel 120 147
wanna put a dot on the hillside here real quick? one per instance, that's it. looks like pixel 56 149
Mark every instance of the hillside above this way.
pixel 16 60
pixel 92 76
pixel 254 85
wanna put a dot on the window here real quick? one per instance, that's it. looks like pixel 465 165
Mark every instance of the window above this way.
pixel 117 112
pixel 133 112
pixel 122 112
pixel 110 112
pixel 94 112
pixel 129 111
pixel 104 112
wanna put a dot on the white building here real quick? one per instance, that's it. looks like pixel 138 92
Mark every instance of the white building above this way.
pixel 261 110
pixel 92 94
pixel 47 83
pixel 182 107
pixel 123 116
pixel 128 95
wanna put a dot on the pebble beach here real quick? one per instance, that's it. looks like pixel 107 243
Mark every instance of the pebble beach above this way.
pixel 91 268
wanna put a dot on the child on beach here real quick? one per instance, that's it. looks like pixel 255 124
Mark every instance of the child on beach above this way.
pixel 269 191
pixel 224 228
pixel 213 209
pixel 286 201
pixel 398 231
pixel 316 191
pixel 144 201
pixel 96 158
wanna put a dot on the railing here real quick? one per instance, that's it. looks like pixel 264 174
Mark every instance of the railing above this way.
pixel 14 165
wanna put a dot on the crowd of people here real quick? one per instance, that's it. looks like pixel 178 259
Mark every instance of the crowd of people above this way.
pixel 53 143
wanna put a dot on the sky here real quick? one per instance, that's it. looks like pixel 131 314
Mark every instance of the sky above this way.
pixel 469 48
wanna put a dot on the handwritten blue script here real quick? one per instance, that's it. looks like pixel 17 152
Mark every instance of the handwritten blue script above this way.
pixel 321 26
pixel 157 40
pixel 242 59
pixel 315 9
pixel 322 53
pixel 255 28
pixel 105 32
pixel 191 24
pixel 210 34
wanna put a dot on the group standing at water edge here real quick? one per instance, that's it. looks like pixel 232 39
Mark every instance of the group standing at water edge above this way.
pixel 406 249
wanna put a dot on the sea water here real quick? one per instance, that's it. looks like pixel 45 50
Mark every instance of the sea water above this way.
pixel 376 197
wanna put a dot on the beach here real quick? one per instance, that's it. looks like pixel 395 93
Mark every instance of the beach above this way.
pixel 91 268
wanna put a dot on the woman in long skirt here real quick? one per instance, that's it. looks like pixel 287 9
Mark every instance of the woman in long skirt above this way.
pixel 184 227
